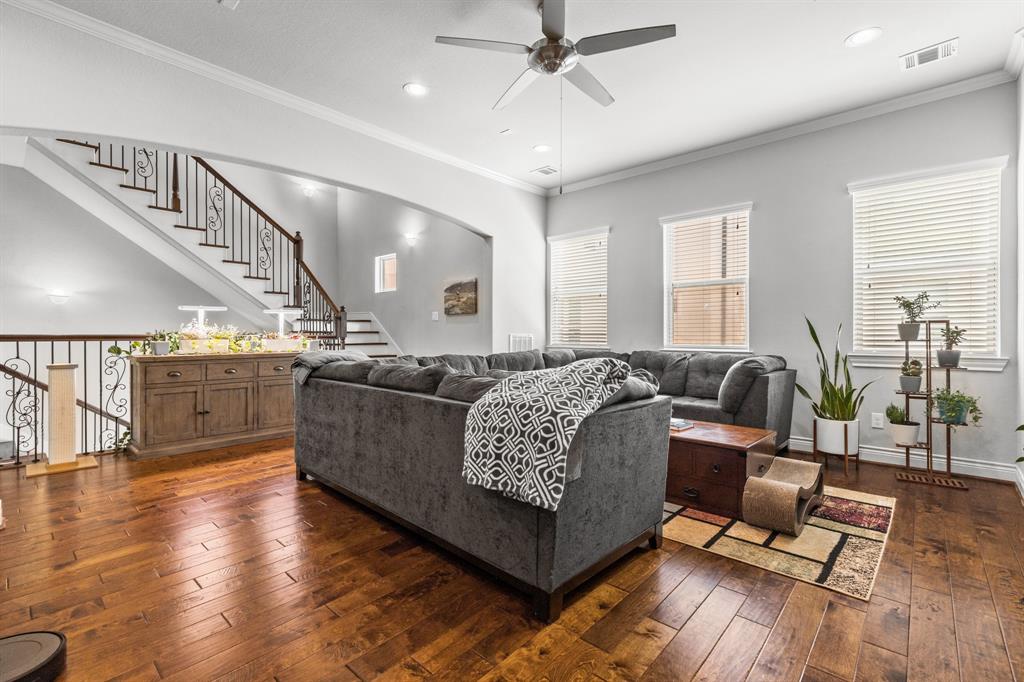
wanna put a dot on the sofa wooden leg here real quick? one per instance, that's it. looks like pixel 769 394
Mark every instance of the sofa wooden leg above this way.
pixel 547 606
pixel 655 541
pixel 299 476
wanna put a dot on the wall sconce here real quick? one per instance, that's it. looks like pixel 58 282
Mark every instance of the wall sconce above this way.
pixel 309 190
pixel 58 297
pixel 411 238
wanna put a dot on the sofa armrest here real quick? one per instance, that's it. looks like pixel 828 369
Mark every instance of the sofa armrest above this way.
pixel 619 492
pixel 769 404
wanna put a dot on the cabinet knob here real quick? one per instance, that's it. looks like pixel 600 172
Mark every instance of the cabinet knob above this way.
pixel 231 370
pixel 716 468
pixel 279 368
pixel 692 493
pixel 174 374
pixel 203 412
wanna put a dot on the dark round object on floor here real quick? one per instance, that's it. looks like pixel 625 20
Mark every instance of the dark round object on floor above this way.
pixel 32 656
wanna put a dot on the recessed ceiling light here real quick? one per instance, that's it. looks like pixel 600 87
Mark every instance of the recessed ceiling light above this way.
pixel 415 89
pixel 506 131
pixel 542 148
pixel 863 36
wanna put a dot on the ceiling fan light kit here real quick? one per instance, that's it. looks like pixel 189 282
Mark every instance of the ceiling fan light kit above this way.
pixel 556 55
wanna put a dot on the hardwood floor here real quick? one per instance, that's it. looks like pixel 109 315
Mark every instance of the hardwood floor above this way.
pixel 222 566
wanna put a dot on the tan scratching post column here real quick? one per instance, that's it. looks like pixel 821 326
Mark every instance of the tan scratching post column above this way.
pixel 60 426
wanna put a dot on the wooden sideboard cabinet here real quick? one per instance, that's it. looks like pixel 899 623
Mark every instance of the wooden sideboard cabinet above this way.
pixel 186 403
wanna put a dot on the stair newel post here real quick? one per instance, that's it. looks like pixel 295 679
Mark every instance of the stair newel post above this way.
pixel 175 196
pixel 297 293
pixel 341 326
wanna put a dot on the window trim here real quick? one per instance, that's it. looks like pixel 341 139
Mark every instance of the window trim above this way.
pixel 378 273
pixel 604 231
pixel 883 358
pixel 668 286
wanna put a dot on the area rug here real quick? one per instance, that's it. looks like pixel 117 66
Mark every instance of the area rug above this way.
pixel 840 547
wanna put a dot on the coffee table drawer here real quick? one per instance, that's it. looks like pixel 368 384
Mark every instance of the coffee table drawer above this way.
pixel 691 492
pixel 715 465
pixel 680 459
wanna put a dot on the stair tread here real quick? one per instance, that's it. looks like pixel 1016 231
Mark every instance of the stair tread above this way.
pixel 283 293
pixel 228 260
pixel 138 189
pixel 164 208
pixel 251 276
pixel 216 246
pixel 107 166
pixel 190 227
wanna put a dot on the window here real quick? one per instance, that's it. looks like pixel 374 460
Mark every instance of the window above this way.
pixel 938 234
pixel 706 279
pixel 385 273
pixel 579 289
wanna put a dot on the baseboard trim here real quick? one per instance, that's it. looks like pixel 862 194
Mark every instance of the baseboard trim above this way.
pixel 998 471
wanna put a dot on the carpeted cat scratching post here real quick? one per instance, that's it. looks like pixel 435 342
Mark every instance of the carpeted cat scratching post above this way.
pixel 783 497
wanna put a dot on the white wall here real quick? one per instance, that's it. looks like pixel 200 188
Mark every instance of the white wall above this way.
pixel 801 241
pixel 55 79
pixel 49 242
pixel 371 225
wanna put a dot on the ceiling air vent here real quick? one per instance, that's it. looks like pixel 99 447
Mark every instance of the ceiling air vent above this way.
pixel 545 170
pixel 934 53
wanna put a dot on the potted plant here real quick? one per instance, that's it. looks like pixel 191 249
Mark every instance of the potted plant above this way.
pixel 221 338
pixel 952 336
pixel 910 376
pixel 190 338
pixel 835 412
pixel 955 407
pixel 913 309
pixel 163 342
pixel 903 431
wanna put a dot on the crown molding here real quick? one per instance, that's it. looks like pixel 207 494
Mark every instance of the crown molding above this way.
pixel 144 46
pixel 981 82
pixel 1015 59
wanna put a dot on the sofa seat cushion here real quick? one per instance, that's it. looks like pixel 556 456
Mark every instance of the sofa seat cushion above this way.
pixel 467 388
pixel 519 361
pixel 668 367
pixel 701 409
pixel 475 364
pixel 558 357
pixel 411 378
pixel 706 371
pixel 347 371
pixel 741 377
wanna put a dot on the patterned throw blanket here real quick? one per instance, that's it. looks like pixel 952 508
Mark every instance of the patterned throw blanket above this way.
pixel 518 433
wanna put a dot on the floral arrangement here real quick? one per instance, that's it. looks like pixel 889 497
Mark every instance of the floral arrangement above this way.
pixel 212 338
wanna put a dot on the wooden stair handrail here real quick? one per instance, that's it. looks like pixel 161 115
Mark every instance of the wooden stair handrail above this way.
pixel 259 211
pixel 73 337
pixel 11 372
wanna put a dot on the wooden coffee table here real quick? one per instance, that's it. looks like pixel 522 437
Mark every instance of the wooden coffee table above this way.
pixel 707 465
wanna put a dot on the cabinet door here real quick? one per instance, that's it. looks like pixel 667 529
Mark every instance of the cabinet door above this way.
pixel 275 404
pixel 173 414
pixel 228 408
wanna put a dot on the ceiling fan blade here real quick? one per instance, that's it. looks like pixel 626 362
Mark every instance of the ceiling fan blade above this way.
pixel 606 42
pixel 552 21
pixel 591 87
pixel 494 45
pixel 517 87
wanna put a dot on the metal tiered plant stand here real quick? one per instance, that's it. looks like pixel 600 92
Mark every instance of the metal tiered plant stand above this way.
pixel 929 474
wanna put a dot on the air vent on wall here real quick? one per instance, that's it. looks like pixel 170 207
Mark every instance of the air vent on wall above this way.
pixel 934 53
pixel 545 170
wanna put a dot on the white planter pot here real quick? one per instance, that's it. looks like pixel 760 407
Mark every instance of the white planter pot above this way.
pixel 831 438
pixel 161 347
pixel 200 346
pixel 910 384
pixel 904 434
pixel 282 345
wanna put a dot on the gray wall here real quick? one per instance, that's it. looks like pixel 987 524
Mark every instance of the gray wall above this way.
pixel 371 225
pixel 801 241
pixel 49 242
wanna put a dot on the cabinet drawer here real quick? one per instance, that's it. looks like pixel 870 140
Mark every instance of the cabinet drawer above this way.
pixel 722 499
pixel 723 467
pixel 229 370
pixel 281 367
pixel 173 374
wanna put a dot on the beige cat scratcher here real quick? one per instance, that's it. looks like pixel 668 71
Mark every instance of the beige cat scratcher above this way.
pixel 783 496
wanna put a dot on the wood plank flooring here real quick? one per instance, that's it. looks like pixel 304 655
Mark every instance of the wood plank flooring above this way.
pixel 221 566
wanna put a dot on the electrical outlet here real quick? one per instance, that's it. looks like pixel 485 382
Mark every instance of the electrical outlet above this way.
pixel 434 316
pixel 876 420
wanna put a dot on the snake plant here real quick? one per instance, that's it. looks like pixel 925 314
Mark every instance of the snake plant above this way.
pixel 840 400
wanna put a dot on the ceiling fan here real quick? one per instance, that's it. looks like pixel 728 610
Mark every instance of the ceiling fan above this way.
pixel 554 54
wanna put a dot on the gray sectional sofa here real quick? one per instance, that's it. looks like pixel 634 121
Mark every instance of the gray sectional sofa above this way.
pixel 390 435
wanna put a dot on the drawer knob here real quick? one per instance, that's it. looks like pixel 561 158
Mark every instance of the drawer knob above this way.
pixel 174 374
pixel 203 412
pixel 716 468
pixel 279 368
pixel 231 370
pixel 692 493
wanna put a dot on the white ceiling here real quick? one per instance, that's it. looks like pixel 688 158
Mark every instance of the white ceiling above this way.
pixel 735 69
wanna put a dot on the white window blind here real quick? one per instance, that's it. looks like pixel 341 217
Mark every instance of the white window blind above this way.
pixel 706 277
pixel 937 234
pixel 579 289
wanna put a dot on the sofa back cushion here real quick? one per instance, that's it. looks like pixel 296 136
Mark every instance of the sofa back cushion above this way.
pixel 706 371
pixel 346 370
pixel 474 364
pixel 465 387
pixel 668 367
pixel 558 357
pixel 587 353
pixel 409 377
pixel 520 361
pixel 400 360
pixel 741 376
